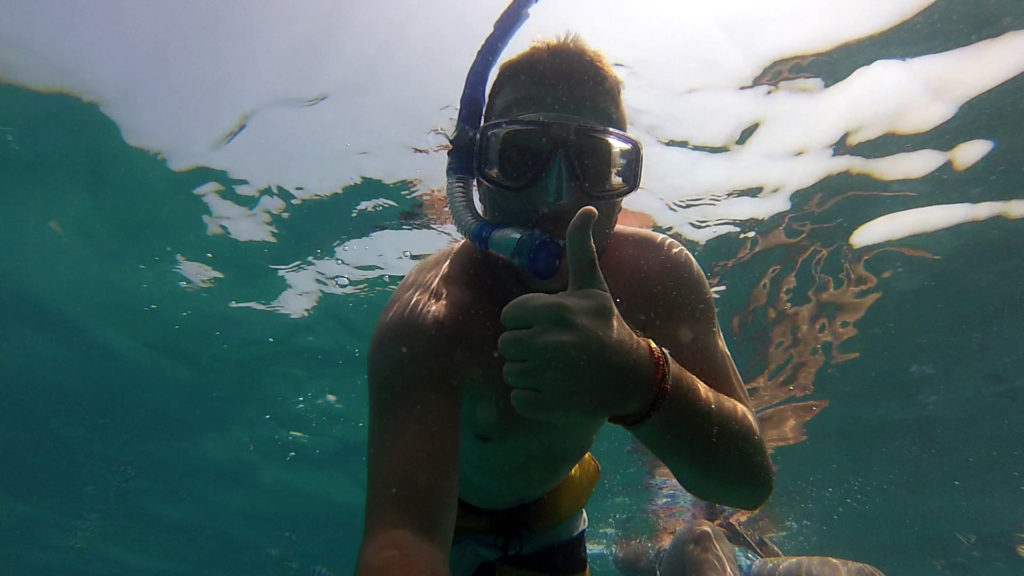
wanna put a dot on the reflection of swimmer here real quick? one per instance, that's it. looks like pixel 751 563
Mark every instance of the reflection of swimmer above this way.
pixel 494 365
pixel 687 544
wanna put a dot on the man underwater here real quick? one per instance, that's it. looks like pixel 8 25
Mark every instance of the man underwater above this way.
pixel 488 385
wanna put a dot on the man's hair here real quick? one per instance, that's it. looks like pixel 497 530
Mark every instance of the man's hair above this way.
pixel 564 69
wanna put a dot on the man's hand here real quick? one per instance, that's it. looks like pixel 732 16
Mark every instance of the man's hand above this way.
pixel 571 353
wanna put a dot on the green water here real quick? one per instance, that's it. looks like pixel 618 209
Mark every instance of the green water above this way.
pixel 150 428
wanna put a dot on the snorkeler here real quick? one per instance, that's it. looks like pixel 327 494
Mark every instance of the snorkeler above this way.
pixel 498 359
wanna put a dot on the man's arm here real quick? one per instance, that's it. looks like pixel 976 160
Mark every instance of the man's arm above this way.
pixel 413 454
pixel 705 432
pixel 572 354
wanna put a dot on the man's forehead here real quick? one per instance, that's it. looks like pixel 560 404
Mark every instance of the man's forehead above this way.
pixel 515 102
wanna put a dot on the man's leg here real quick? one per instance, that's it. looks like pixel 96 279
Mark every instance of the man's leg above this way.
pixel 703 550
pixel 811 566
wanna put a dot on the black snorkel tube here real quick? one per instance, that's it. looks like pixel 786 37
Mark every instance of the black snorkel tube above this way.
pixel 538 254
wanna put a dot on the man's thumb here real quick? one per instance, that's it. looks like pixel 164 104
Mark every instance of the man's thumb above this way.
pixel 580 253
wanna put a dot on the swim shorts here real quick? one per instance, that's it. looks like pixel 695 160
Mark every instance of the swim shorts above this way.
pixel 559 551
pixel 543 537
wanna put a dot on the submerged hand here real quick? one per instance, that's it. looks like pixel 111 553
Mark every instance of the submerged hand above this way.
pixel 571 353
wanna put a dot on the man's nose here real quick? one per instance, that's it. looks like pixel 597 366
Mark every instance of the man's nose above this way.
pixel 557 180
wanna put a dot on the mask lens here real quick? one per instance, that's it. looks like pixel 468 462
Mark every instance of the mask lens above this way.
pixel 607 164
pixel 512 156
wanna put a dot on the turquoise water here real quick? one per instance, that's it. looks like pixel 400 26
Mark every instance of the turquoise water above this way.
pixel 150 426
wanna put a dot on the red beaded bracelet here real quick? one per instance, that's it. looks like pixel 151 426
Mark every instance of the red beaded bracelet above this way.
pixel 662 381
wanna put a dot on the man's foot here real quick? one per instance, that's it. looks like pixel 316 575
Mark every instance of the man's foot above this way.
pixel 699 550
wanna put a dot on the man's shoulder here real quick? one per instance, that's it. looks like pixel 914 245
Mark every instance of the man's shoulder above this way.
pixel 655 276
pixel 427 317
pixel 652 253
pixel 434 293
pixel 429 269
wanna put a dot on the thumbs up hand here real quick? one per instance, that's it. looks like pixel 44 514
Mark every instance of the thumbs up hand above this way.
pixel 571 354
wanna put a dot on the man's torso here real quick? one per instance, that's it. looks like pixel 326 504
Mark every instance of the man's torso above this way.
pixel 507 459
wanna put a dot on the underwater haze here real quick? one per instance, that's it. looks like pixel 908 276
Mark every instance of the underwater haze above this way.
pixel 205 206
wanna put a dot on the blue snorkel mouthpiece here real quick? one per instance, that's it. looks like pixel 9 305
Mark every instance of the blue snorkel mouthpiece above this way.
pixel 538 254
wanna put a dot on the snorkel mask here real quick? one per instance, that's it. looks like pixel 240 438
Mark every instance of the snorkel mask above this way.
pixel 514 154
pixel 538 254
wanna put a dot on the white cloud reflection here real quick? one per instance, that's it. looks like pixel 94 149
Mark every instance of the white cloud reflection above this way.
pixel 241 223
pixel 327 93
pixel 199 275
pixel 354 263
pixel 931 219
